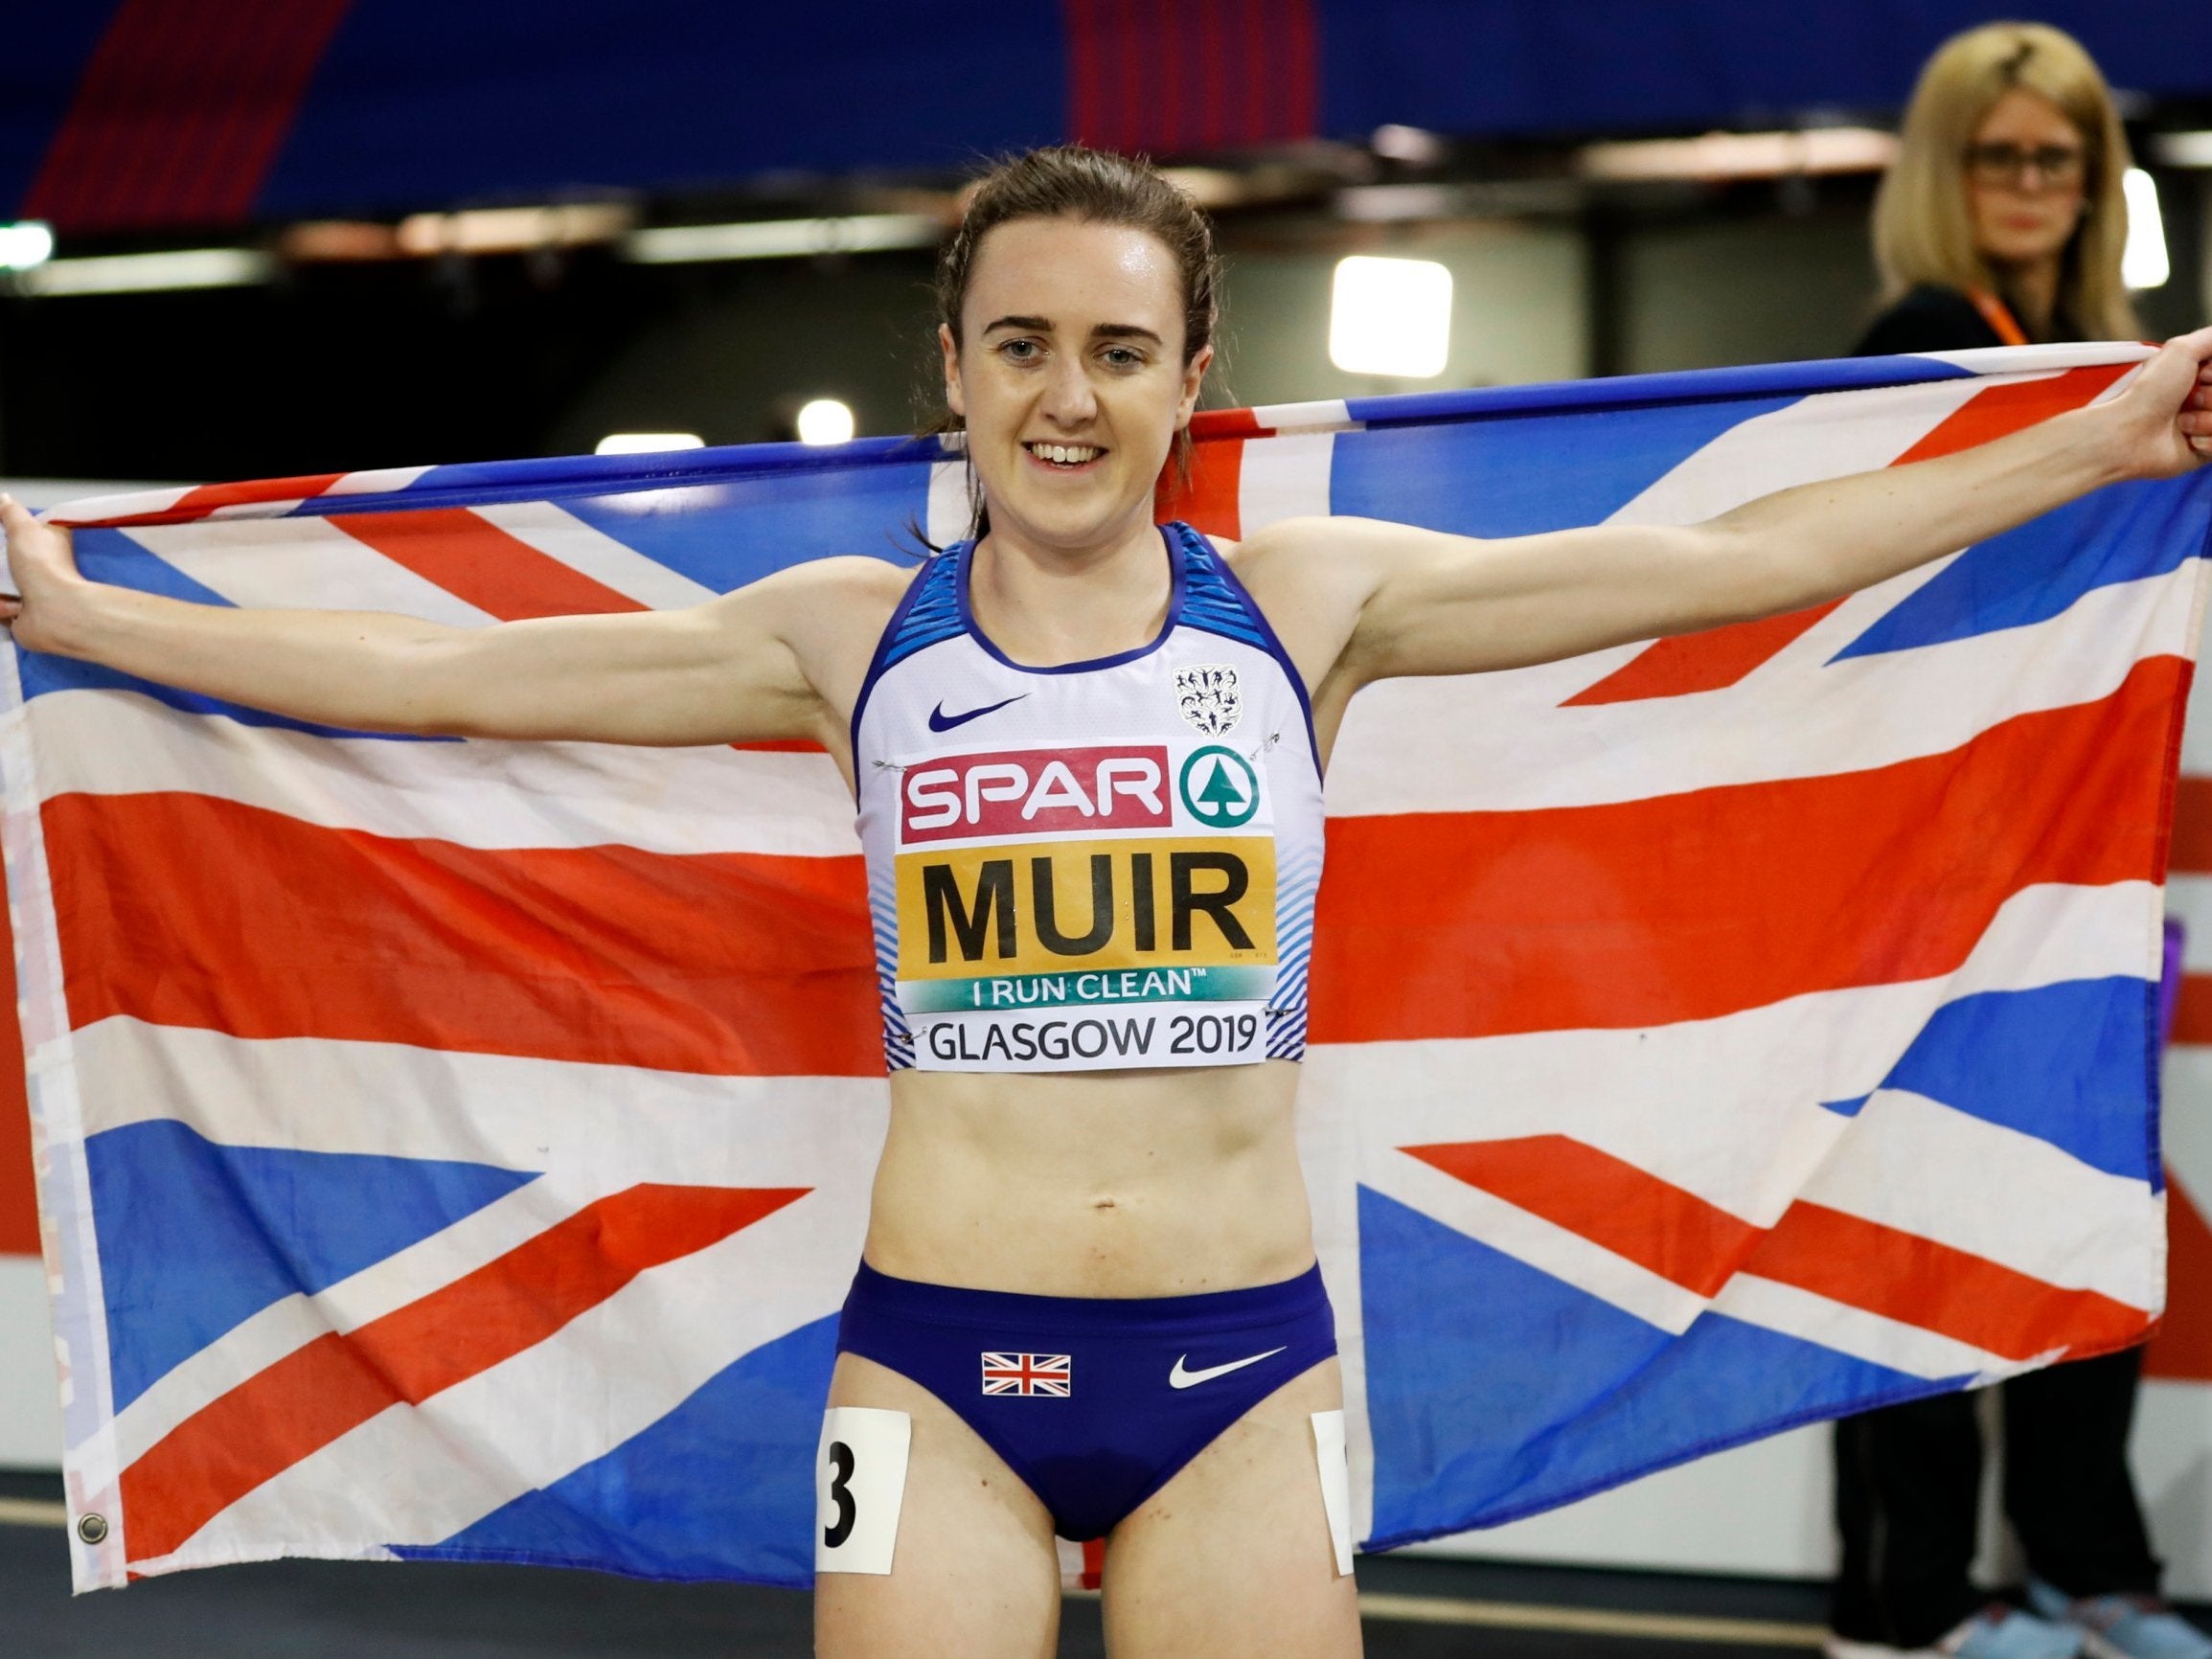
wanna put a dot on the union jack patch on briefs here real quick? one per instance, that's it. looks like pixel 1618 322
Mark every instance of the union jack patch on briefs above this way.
pixel 1049 1373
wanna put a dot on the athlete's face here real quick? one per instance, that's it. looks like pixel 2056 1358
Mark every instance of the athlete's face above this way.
pixel 2025 180
pixel 1071 377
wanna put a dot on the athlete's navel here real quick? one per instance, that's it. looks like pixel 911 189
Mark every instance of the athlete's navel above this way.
pixel 1104 1201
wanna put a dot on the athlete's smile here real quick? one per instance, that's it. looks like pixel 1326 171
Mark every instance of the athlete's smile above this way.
pixel 1063 456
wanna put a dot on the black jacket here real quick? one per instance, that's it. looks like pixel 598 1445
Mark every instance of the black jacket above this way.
pixel 1933 319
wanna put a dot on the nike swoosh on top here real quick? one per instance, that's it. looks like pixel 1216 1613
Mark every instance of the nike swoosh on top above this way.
pixel 941 721
pixel 1181 1378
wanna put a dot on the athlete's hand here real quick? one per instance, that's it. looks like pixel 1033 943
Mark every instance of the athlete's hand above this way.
pixel 43 583
pixel 2166 415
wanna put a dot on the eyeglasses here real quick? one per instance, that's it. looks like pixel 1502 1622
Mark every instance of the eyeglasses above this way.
pixel 2007 164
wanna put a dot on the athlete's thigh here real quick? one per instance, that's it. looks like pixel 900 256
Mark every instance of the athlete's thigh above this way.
pixel 974 1573
pixel 1233 1556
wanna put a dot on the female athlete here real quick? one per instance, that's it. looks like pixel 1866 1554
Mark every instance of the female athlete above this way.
pixel 1088 754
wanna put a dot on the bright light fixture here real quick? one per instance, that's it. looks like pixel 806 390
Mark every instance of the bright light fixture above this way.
pixel 825 420
pixel 648 443
pixel 511 229
pixel 149 273
pixel 1726 155
pixel 26 243
pixel 781 238
pixel 1390 317
pixel 2143 263
pixel 2182 148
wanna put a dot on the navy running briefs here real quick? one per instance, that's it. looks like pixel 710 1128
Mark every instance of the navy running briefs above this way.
pixel 1095 1402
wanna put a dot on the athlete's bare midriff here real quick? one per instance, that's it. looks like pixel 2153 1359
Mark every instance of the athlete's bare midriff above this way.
pixel 1124 1183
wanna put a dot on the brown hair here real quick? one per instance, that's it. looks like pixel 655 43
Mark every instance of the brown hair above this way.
pixel 1091 186
pixel 1923 232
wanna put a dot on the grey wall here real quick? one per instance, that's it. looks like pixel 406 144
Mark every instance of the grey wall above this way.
pixel 1517 302
pixel 740 346
pixel 728 349
pixel 1773 288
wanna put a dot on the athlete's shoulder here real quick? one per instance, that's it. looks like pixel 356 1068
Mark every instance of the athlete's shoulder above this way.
pixel 838 594
pixel 1296 559
pixel 1293 540
pixel 855 576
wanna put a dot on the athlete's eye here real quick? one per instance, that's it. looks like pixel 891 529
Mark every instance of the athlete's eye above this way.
pixel 1020 350
pixel 1123 357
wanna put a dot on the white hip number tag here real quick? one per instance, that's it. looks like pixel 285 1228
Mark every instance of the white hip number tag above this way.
pixel 1334 1458
pixel 859 1482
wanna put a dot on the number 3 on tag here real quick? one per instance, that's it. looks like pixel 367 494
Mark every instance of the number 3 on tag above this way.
pixel 859 1482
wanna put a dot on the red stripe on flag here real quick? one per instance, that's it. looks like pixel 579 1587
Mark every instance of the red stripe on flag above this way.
pixel 186 910
pixel 1592 1194
pixel 178 117
pixel 200 502
pixel 1844 1258
pixel 2191 854
pixel 1701 662
pixel 1718 657
pixel 1695 905
pixel 474 560
pixel 1997 410
pixel 335 1383
pixel 1211 500
pixel 1916 1280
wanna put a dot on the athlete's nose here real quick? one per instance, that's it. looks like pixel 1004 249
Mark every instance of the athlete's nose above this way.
pixel 1068 397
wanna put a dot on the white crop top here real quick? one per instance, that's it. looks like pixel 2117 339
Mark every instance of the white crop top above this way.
pixel 1096 866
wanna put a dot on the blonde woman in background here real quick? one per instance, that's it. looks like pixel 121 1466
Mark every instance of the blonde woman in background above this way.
pixel 2002 219
pixel 2000 223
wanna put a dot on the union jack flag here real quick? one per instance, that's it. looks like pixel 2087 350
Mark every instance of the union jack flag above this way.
pixel 1047 1373
pixel 459 1149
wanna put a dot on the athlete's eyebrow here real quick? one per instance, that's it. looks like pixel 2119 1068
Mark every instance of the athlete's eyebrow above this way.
pixel 1103 331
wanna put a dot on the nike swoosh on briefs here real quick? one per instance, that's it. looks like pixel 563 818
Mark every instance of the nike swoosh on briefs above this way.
pixel 941 721
pixel 1181 1378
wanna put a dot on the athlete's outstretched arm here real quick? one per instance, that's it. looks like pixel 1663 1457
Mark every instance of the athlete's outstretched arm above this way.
pixel 733 670
pixel 1376 600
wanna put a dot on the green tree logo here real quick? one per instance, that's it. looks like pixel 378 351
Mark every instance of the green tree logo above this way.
pixel 1220 788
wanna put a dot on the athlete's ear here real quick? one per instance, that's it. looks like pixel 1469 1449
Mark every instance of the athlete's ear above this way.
pixel 952 397
pixel 1194 376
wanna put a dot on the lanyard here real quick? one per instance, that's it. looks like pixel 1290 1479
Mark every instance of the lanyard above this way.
pixel 2000 320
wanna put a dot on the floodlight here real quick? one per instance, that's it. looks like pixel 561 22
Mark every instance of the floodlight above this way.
pixel 1390 317
pixel 825 420
pixel 648 443
pixel 2143 263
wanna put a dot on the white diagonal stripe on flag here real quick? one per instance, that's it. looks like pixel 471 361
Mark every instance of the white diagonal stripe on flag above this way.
pixel 308 562
pixel 478 793
pixel 584 548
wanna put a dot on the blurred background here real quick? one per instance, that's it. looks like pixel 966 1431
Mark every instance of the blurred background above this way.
pixel 254 237
pixel 321 235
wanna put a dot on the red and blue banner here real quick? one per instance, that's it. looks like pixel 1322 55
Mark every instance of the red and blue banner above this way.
pixel 127 115
pixel 459 1149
